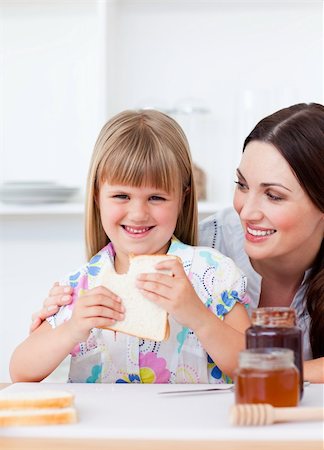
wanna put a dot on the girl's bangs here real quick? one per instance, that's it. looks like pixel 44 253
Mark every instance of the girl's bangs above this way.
pixel 142 168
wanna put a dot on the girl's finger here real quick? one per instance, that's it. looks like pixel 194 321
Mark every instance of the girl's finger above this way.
pixel 159 289
pixel 156 298
pixel 103 312
pixel 91 298
pixel 106 303
pixel 158 278
pixel 101 322
pixel 102 290
pixel 174 267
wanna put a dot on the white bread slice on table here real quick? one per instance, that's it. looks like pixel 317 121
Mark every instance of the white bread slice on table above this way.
pixel 36 399
pixel 51 416
pixel 143 318
pixel 45 407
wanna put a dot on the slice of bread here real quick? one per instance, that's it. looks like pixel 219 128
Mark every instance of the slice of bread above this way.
pixel 44 407
pixel 36 399
pixel 52 416
pixel 143 318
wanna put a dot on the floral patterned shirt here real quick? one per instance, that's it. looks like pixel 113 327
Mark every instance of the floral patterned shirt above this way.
pixel 110 357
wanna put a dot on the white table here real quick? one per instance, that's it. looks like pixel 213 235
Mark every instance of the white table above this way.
pixel 135 416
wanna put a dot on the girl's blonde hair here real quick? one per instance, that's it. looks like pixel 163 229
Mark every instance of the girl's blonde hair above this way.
pixel 139 148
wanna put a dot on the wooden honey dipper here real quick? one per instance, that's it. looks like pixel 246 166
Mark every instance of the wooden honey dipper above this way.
pixel 264 414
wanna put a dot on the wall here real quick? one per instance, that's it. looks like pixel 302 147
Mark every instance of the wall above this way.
pixel 51 107
pixel 71 65
pixel 240 59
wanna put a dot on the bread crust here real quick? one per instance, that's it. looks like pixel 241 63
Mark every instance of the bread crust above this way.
pixel 30 400
pixel 55 416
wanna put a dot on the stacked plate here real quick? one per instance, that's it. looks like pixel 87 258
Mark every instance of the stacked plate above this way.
pixel 34 192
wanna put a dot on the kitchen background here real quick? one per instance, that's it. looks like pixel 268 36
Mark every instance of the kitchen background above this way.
pixel 66 66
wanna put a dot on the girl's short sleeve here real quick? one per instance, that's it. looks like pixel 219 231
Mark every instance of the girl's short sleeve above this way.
pixel 230 286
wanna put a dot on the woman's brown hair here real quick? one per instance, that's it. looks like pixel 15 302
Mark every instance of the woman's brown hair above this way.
pixel 141 148
pixel 297 132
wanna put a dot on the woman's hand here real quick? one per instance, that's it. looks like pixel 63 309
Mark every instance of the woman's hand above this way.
pixel 96 308
pixel 314 370
pixel 174 293
pixel 57 296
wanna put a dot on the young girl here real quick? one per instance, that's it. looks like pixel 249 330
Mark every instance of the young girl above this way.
pixel 141 200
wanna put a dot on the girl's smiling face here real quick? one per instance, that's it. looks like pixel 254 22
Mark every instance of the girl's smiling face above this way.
pixel 137 220
pixel 278 217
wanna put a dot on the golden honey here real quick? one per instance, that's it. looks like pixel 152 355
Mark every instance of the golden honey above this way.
pixel 267 376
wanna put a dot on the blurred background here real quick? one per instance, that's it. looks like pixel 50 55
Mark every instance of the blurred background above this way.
pixel 66 66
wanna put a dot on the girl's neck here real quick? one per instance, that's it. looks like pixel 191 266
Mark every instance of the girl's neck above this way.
pixel 121 264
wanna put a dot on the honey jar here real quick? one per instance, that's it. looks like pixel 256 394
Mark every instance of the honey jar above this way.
pixel 276 327
pixel 267 375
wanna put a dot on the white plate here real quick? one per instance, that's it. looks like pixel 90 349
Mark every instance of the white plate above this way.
pixel 35 192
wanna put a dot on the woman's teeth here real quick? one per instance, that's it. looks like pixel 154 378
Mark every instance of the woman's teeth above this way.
pixel 136 230
pixel 260 232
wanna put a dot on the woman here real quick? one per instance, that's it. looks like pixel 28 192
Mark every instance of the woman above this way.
pixel 276 237
pixel 275 231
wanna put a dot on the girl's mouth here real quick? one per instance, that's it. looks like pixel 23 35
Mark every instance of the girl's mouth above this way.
pixel 136 230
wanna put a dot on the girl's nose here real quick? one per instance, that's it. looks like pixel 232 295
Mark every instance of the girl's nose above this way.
pixel 138 211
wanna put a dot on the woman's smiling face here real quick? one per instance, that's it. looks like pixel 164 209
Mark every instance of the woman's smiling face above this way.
pixel 278 217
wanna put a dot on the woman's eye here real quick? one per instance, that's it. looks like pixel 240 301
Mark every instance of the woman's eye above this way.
pixel 274 197
pixel 241 186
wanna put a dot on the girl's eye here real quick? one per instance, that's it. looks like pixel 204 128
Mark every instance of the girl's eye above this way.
pixel 241 186
pixel 121 196
pixel 157 198
pixel 274 197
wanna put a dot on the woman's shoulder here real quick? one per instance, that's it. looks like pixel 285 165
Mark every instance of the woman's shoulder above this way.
pixel 202 256
pixel 222 231
pixel 212 257
pixel 222 220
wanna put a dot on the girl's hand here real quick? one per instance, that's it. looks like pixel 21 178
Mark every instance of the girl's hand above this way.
pixel 96 308
pixel 57 296
pixel 174 293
